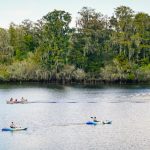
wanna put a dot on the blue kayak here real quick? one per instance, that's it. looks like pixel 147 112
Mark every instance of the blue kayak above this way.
pixel 13 129
pixel 91 123
pixel 98 122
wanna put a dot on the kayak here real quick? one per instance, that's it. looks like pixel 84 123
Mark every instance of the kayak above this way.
pixel 18 102
pixel 107 122
pixel 91 123
pixel 13 129
pixel 98 122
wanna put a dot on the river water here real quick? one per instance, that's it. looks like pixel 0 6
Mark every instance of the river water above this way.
pixel 56 117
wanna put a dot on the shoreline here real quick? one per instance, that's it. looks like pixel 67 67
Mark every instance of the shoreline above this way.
pixel 83 82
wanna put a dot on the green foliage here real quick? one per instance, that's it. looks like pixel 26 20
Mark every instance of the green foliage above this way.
pixel 90 41
pixel 115 49
pixel 23 39
pixel 6 50
pixel 143 73
pixel 70 73
pixel 4 75
pixel 55 40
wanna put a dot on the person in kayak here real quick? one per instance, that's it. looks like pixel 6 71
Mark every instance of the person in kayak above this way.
pixel 22 99
pixel 12 125
pixel 11 99
pixel 94 119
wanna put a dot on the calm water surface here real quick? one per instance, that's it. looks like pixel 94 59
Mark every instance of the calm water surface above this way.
pixel 56 117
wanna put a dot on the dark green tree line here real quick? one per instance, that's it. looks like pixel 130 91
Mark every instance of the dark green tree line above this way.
pixel 99 48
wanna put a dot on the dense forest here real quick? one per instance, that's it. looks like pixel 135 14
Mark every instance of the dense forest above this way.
pixel 98 49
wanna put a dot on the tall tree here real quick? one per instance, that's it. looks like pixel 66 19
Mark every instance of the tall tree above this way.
pixel 122 24
pixel 142 36
pixel 55 39
pixel 6 50
pixel 89 40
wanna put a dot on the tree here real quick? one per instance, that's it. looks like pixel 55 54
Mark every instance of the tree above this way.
pixel 122 23
pixel 55 39
pixel 6 50
pixel 23 39
pixel 89 41
pixel 142 36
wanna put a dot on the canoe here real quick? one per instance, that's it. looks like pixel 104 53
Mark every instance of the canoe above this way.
pixel 18 102
pixel 13 129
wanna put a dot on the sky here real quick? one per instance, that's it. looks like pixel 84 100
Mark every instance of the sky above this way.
pixel 18 10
